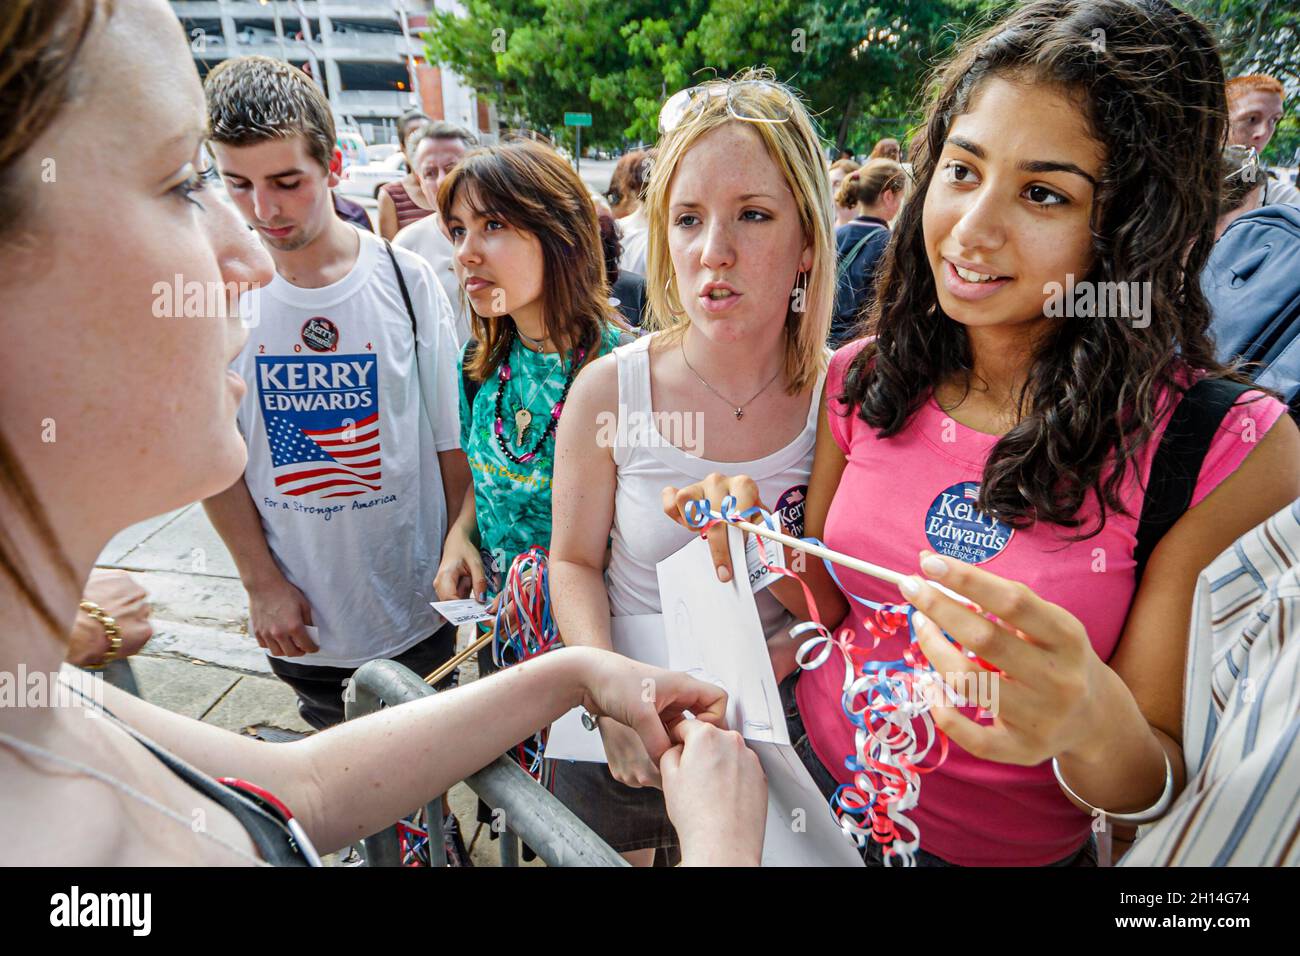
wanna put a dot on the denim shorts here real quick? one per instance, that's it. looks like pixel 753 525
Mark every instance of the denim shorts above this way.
pixel 1086 855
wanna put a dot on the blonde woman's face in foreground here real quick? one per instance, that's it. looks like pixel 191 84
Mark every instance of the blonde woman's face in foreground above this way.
pixel 733 225
pixel 119 323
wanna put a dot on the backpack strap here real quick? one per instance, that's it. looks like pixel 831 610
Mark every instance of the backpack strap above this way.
pixel 847 262
pixel 415 328
pixel 1177 463
pixel 406 296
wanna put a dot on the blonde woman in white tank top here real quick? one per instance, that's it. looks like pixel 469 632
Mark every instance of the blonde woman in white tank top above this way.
pixel 740 275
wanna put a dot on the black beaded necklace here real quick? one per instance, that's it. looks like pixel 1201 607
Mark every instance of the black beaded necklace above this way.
pixel 523 417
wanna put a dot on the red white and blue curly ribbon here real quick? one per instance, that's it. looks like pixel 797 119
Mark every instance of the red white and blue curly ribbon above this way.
pixel 528 632
pixel 883 700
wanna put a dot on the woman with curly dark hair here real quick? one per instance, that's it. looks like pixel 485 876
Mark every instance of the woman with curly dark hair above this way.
pixel 1038 326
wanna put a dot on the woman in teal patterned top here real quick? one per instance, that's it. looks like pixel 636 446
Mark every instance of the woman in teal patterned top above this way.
pixel 529 259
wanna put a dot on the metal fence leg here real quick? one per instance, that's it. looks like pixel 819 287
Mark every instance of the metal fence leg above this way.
pixel 509 848
pixel 433 822
pixel 534 815
pixel 382 848
pixel 384 686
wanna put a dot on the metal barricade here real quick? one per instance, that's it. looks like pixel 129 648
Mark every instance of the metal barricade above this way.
pixel 528 811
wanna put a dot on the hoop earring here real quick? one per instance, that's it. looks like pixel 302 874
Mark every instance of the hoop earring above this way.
pixel 800 293
pixel 667 299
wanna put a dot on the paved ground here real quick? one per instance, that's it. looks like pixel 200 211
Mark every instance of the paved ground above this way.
pixel 201 661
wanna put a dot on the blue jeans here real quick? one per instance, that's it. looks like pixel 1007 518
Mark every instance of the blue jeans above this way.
pixel 1086 855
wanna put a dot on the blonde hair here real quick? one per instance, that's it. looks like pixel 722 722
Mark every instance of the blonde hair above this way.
pixel 795 148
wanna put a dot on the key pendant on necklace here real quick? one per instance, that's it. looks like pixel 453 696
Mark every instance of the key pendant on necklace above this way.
pixel 523 418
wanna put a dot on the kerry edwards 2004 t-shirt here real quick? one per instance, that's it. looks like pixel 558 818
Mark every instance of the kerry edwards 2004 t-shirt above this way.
pixel 342 448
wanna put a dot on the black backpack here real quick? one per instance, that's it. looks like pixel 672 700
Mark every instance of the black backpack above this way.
pixel 1252 281
pixel 1177 462
pixel 849 296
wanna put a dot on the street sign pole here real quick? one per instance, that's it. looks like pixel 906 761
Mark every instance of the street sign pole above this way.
pixel 578 120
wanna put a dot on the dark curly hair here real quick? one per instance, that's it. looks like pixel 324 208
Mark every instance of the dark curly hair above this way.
pixel 1153 91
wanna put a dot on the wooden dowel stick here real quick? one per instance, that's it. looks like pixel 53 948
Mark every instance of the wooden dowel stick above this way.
pixel 446 668
pixel 856 564
pixel 866 567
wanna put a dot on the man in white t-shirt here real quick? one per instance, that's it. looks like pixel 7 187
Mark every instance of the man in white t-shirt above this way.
pixel 435 149
pixel 351 415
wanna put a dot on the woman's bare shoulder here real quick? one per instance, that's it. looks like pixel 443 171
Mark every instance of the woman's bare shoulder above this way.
pixel 102 803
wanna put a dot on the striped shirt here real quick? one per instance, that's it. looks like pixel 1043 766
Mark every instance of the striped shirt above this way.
pixel 1241 712
pixel 407 210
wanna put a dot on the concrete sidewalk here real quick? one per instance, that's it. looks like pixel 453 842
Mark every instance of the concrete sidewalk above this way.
pixel 201 661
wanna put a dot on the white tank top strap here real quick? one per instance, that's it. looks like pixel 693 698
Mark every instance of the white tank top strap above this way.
pixel 633 393
pixel 815 406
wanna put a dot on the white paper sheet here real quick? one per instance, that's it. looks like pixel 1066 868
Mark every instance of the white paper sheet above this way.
pixel 714 633
pixel 800 830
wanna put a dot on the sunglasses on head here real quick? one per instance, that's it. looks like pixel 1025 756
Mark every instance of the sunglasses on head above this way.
pixel 686 106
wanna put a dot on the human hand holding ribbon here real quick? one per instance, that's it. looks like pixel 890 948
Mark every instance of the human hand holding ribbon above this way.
pixel 888 702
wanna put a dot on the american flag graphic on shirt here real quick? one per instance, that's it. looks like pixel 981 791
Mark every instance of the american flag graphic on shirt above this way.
pixel 322 424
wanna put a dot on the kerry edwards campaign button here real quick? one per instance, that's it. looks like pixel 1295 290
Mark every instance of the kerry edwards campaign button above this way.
pixel 320 334
pixel 789 509
pixel 955 529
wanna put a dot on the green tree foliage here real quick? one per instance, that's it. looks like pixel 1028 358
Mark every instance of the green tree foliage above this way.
pixel 619 59
pixel 862 66
pixel 1255 36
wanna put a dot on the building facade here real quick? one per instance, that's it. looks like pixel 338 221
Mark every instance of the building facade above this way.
pixel 366 54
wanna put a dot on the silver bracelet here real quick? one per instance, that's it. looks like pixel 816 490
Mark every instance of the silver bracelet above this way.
pixel 1152 813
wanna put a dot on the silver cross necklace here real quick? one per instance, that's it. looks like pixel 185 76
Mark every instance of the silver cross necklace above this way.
pixel 737 410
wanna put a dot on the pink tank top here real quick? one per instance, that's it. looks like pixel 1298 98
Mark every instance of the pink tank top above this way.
pixel 914 491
